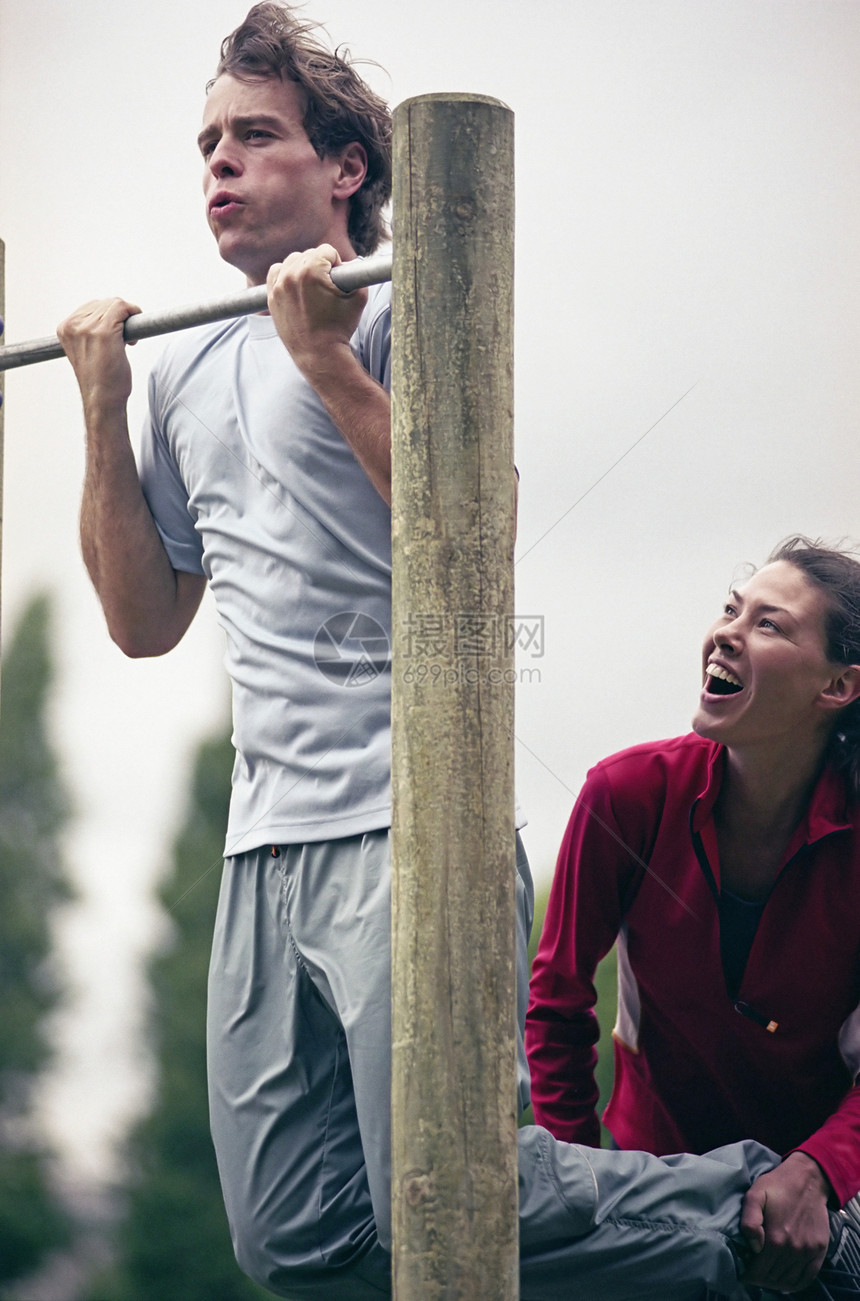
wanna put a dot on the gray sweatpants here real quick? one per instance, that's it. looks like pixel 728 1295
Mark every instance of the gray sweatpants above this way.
pixel 299 1063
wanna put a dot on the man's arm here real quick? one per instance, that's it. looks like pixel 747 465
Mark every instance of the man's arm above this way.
pixel 316 322
pixel 147 604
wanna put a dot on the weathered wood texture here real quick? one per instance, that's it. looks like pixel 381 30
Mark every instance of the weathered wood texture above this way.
pixel 454 1067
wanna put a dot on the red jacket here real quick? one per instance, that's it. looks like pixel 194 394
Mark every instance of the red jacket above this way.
pixel 693 1070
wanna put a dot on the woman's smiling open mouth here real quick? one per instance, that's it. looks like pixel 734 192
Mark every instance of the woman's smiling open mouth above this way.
pixel 720 682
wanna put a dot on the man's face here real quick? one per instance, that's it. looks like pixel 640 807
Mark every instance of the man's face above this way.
pixel 268 193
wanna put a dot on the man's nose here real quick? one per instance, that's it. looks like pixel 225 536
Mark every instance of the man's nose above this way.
pixel 224 159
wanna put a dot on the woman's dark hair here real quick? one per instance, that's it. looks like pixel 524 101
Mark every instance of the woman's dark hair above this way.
pixel 339 106
pixel 835 571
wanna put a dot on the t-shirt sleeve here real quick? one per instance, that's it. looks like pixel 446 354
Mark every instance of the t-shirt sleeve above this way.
pixel 165 492
pixel 375 336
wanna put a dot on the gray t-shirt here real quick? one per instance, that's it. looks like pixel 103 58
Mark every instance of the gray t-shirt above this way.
pixel 251 484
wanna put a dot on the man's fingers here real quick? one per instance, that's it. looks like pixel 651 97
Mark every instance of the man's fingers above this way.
pixel 105 309
pixel 108 314
pixel 317 263
pixel 92 339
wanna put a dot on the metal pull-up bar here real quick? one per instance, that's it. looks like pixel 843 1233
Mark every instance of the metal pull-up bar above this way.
pixel 357 274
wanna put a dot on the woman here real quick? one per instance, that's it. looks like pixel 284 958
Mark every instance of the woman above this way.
pixel 726 863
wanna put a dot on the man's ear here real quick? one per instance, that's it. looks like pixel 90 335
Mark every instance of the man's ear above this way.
pixel 352 169
pixel 843 689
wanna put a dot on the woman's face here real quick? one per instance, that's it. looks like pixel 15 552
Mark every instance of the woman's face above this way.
pixel 765 663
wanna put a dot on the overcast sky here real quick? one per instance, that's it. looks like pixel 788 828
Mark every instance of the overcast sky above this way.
pixel 688 184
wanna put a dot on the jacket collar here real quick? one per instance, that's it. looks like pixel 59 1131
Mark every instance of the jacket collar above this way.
pixel 827 811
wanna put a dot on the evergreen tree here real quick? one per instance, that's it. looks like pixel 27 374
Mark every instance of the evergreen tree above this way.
pixel 174 1242
pixel 34 810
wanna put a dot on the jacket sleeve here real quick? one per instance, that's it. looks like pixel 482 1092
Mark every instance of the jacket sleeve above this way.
pixel 836 1147
pixel 598 868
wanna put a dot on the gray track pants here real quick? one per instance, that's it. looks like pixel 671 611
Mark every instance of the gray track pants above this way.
pixel 299 1061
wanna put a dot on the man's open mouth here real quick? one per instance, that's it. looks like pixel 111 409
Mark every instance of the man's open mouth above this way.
pixel 720 682
pixel 221 201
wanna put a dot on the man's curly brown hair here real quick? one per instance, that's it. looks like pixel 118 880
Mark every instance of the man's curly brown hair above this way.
pixel 339 105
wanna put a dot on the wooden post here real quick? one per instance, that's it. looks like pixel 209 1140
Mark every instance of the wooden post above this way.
pixel 454 1171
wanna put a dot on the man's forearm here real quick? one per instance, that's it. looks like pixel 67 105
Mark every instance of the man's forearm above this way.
pixel 146 607
pixel 316 323
pixel 360 408
pixel 146 604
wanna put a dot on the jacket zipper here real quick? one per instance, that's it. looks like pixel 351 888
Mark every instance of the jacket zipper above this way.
pixel 745 1009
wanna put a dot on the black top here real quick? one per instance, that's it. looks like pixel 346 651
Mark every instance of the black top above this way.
pixel 739 919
